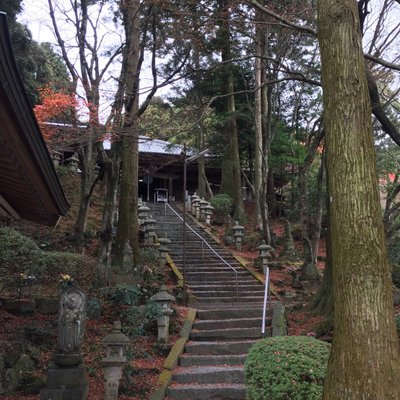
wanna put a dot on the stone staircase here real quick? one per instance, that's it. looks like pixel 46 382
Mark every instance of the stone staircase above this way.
pixel 227 323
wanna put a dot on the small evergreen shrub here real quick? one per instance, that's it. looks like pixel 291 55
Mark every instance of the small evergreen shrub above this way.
pixel 286 367
pixel 398 323
pixel 223 207
pixel 394 257
pixel 128 295
pixel 141 320
pixel 23 263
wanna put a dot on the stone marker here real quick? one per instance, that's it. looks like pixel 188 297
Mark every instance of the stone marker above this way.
pixel 68 380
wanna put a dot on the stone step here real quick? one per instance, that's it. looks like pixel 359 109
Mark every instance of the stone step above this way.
pixel 228 292
pixel 222 287
pixel 219 347
pixel 226 334
pixel 244 280
pixel 230 313
pixel 205 324
pixel 220 274
pixel 209 374
pixel 229 299
pixel 206 392
pixel 189 361
pixel 207 267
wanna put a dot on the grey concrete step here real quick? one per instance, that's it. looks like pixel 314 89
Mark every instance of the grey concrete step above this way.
pixel 219 347
pixel 228 323
pixel 217 275
pixel 226 334
pixel 221 287
pixel 229 299
pixel 209 374
pixel 202 268
pixel 244 280
pixel 207 392
pixel 228 292
pixel 188 360
pixel 235 311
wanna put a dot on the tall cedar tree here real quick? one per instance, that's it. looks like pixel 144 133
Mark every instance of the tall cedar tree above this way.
pixel 364 362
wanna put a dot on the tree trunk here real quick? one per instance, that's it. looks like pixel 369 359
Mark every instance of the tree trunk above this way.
pixel 87 162
pixel 128 226
pixel 364 361
pixel 258 140
pixel 231 183
pixel 112 169
pixel 315 222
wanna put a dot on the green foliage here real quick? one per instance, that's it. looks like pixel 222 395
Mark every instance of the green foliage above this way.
pixel 398 323
pixel 223 207
pixel 394 257
pixel 286 367
pixel 139 320
pixel 285 149
pixel 22 262
pixel 126 295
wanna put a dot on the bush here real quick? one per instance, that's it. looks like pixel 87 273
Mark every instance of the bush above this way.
pixel 394 257
pixel 223 207
pixel 398 323
pixel 138 321
pixel 286 367
pixel 126 295
pixel 23 263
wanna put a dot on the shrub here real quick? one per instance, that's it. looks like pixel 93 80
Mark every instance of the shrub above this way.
pixel 223 207
pixel 286 367
pixel 128 295
pixel 398 323
pixel 394 257
pixel 138 321
pixel 23 263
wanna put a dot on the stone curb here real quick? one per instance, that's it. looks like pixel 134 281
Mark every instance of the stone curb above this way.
pixel 171 361
pixel 175 270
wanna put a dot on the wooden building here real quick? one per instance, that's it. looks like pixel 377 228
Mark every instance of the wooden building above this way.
pixel 29 186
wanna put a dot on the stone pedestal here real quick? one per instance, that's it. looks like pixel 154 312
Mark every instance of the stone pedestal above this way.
pixel 112 376
pixel 66 383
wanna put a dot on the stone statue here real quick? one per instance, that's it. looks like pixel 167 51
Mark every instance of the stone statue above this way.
pixel 67 379
pixel 71 323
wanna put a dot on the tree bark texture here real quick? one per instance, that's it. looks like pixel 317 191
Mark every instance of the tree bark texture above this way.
pixel 128 226
pixel 258 140
pixel 364 362
pixel 231 183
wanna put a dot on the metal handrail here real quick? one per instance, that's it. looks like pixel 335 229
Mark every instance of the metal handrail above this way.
pixel 265 301
pixel 204 241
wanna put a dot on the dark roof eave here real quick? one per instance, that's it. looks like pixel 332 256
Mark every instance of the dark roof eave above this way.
pixel 19 107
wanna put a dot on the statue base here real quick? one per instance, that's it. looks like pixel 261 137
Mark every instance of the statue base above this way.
pixel 66 383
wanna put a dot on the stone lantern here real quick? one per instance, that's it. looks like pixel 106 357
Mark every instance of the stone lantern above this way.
pixel 196 206
pixel 203 205
pixel 149 230
pixel 164 300
pixel 264 250
pixel 163 249
pixel 56 158
pixel 238 233
pixel 74 163
pixel 143 213
pixel 115 344
pixel 208 212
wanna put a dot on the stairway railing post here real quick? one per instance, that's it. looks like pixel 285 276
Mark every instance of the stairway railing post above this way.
pixel 265 301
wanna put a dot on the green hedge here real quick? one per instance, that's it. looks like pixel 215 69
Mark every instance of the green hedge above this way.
pixel 286 368
pixel 20 257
